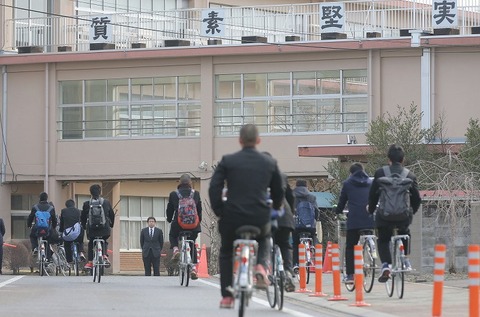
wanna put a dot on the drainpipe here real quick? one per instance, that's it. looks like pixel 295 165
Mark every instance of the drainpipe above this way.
pixel 4 123
pixel 425 88
pixel 45 182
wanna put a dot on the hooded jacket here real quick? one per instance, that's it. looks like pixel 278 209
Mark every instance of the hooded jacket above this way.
pixel 302 193
pixel 355 191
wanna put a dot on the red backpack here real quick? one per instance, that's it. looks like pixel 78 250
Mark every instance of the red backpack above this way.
pixel 187 215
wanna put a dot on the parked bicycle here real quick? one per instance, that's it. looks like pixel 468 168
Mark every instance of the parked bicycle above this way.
pixel 98 259
pixel 245 249
pixel 59 260
pixel 185 265
pixel 398 270
pixel 307 242
pixel 276 278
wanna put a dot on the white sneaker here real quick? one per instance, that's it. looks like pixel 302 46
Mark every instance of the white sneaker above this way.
pixel 408 265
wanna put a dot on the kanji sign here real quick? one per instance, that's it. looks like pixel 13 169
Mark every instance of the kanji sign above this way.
pixel 444 14
pixel 101 30
pixel 332 16
pixel 213 23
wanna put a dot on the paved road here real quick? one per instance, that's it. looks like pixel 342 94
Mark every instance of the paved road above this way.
pixel 159 296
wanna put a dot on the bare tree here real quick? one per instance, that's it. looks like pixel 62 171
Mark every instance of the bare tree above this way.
pixel 210 229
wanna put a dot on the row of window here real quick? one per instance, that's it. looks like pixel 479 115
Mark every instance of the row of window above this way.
pixel 286 102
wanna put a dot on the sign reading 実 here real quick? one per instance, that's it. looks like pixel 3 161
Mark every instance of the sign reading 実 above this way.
pixel 444 14
pixel 332 17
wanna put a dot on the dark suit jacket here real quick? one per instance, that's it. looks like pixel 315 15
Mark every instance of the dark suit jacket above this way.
pixel 247 173
pixel 2 232
pixel 155 243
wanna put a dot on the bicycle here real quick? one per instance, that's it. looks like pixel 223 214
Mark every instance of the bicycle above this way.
pixel 75 259
pixel 245 249
pixel 185 265
pixel 42 256
pixel 98 260
pixel 275 289
pixel 397 273
pixel 60 260
pixel 307 242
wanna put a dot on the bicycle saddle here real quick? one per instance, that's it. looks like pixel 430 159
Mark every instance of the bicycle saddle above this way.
pixel 184 233
pixel 366 232
pixel 248 231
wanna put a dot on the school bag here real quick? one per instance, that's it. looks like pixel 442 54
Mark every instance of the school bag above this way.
pixel 305 215
pixel 394 200
pixel 42 221
pixel 187 215
pixel 96 214
pixel 72 233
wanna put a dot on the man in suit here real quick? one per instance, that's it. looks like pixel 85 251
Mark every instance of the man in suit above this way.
pixel 151 241
pixel 248 174
pixel 2 233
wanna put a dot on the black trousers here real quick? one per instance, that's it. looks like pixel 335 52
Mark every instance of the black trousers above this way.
pixel 68 246
pixel 282 239
pixel 1 258
pixel 384 235
pixel 351 240
pixel 90 247
pixel 173 236
pixel 227 234
pixel 149 261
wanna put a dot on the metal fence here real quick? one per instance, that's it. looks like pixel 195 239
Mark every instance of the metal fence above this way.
pixel 273 22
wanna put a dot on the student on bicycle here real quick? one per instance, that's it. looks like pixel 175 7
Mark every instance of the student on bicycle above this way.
pixel 42 205
pixel 71 229
pixel 385 228
pixel 184 190
pixel 355 191
pixel 306 213
pixel 102 232
pixel 248 174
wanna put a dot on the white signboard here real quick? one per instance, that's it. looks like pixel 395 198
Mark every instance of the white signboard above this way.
pixel 332 17
pixel 101 31
pixel 444 14
pixel 213 23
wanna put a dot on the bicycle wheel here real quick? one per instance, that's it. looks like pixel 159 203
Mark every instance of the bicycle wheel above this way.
pixel 280 289
pixel 389 284
pixel 368 267
pixel 181 273
pixel 243 303
pixel 188 270
pixel 399 275
pixel 62 261
pixel 75 259
pixel 272 285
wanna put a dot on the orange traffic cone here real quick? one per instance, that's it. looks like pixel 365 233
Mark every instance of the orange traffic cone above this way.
pixel 327 262
pixel 203 264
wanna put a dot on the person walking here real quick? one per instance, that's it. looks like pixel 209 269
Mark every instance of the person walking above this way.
pixel 354 191
pixel 384 227
pixel 183 193
pixel 2 233
pixel 248 174
pixel 151 242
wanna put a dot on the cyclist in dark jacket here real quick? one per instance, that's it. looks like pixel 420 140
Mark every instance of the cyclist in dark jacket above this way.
pixel 69 217
pixel 354 191
pixel 104 233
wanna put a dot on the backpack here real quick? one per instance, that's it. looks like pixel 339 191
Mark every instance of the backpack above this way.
pixel 96 214
pixel 394 200
pixel 42 221
pixel 187 215
pixel 305 215
pixel 72 233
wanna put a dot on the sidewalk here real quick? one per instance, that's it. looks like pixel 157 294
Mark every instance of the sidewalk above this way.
pixel 416 302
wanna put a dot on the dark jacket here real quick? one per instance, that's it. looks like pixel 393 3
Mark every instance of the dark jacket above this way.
pixel 69 217
pixel 2 232
pixel 109 218
pixel 355 191
pixel 173 200
pixel 374 194
pixel 154 243
pixel 301 193
pixel 248 173
pixel 286 221
pixel 44 206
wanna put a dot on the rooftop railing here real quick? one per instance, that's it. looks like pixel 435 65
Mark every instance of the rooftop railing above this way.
pixel 152 29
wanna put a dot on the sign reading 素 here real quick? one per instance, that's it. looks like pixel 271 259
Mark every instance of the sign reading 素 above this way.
pixel 213 23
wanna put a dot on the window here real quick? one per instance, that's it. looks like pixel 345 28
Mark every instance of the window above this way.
pixel 134 213
pixel 21 205
pixel 130 108
pixel 327 101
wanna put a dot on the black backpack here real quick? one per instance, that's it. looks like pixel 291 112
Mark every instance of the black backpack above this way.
pixel 394 201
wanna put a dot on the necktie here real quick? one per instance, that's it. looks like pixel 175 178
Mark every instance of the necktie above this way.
pixel 151 232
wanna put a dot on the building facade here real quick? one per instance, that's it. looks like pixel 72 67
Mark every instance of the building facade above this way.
pixel 134 120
